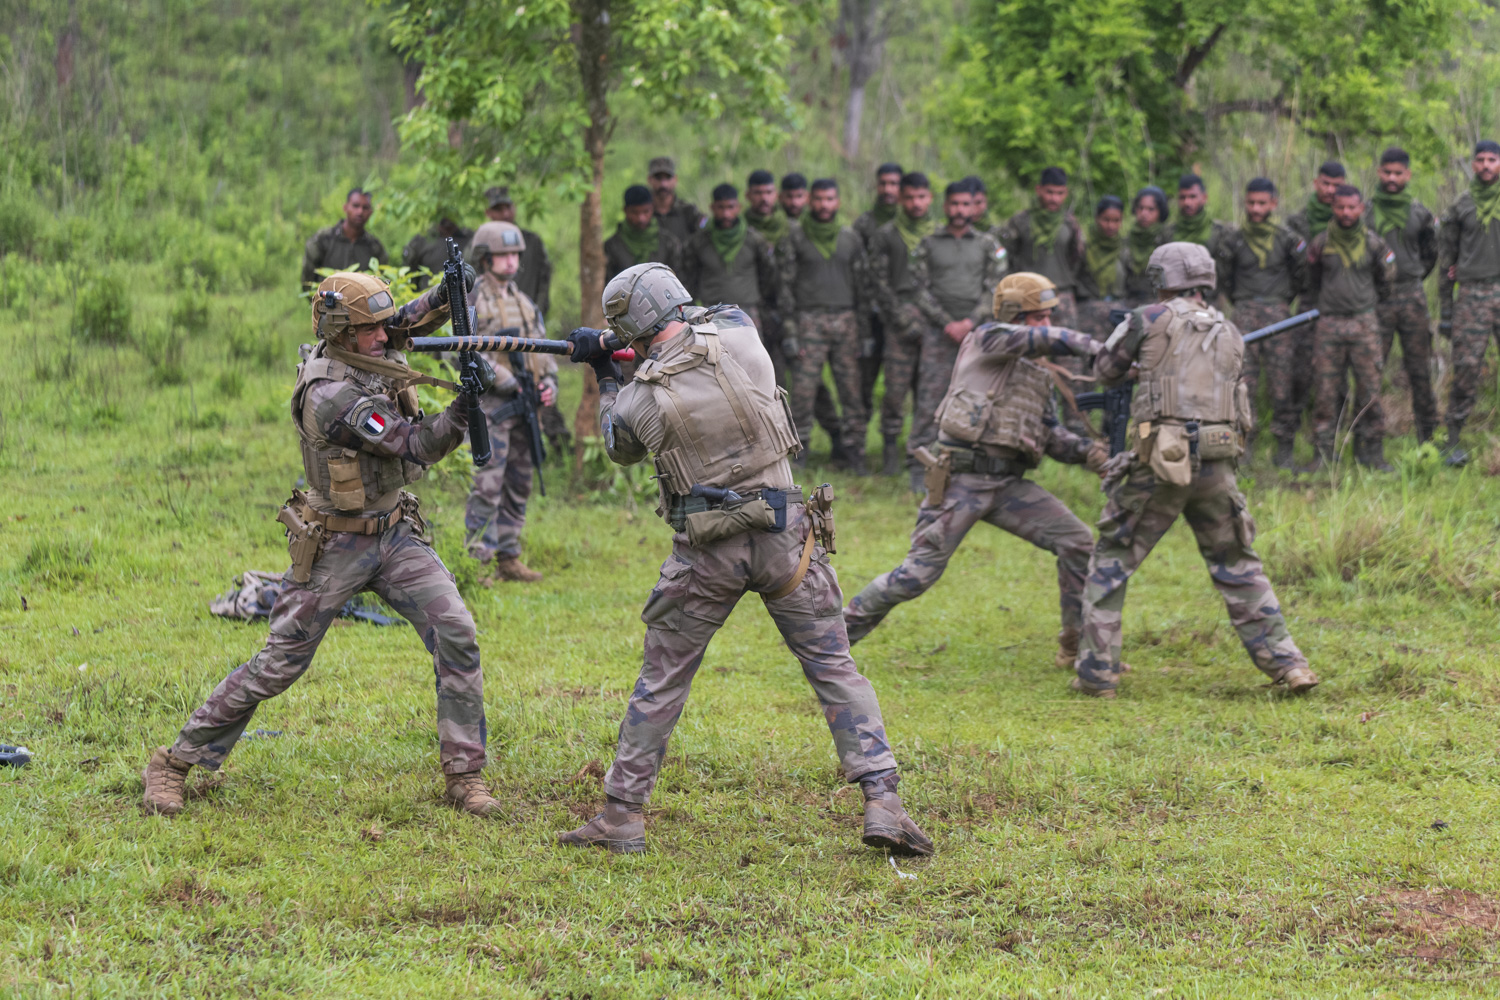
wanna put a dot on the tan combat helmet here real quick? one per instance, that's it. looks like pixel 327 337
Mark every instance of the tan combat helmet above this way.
pixel 1176 267
pixel 349 299
pixel 497 237
pixel 1021 293
pixel 642 299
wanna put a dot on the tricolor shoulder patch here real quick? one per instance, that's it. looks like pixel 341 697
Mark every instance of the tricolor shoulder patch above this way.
pixel 1301 246
pixel 999 253
pixel 374 424
pixel 1390 256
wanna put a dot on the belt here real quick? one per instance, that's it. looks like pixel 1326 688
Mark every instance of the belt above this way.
pixel 978 463
pixel 355 525
pixel 682 504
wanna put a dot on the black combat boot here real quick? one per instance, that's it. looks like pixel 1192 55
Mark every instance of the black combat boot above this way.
pixel 1453 455
pixel 891 456
pixel 1371 454
pixel 1283 457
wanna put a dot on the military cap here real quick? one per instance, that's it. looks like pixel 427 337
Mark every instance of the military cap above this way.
pixel 498 196
pixel 662 165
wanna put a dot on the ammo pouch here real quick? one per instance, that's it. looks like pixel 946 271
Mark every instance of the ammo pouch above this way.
pixel 346 487
pixel 1168 449
pixel 1217 442
pixel 304 536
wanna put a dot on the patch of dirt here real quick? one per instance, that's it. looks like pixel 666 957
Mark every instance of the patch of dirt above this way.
pixel 188 891
pixel 1439 923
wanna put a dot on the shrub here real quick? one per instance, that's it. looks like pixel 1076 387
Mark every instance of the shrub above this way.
pixel 19 223
pixel 190 309
pixel 163 351
pixel 230 383
pixel 102 314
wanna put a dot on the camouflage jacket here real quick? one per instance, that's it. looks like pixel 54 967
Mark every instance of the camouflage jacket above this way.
pixel 617 255
pixel 330 248
pixel 429 250
pixel 682 220
pixel 1060 263
pixel 955 276
pixel 1343 291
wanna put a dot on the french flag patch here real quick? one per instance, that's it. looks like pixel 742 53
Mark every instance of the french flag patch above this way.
pixel 375 424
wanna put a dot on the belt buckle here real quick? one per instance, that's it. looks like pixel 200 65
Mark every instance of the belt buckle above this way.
pixel 382 522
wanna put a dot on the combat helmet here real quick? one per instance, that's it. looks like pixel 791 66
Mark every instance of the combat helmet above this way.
pixel 497 237
pixel 349 299
pixel 1021 293
pixel 1176 267
pixel 640 300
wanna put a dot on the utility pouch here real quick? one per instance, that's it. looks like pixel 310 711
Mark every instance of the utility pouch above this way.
pixel 410 506
pixel 776 500
pixel 939 469
pixel 964 414
pixel 708 526
pixel 406 402
pixel 1217 442
pixel 820 506
pixel 346 488
pixel 1171 459
pixel 304 538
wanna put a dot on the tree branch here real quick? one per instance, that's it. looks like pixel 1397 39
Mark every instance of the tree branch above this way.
pixel 1196 54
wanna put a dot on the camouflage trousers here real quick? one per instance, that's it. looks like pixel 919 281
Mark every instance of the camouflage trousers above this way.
pixel 1405 314
pixel 1138 515
pixel 831 338
pixel 1476 318
pixel 902 354
pixel 871 359
pixel 405 572
pixel 1010 503
pixel 1286 360
pixel 934 372
pixel 496 511
pixel 697 590
pixel 768 322
pixel 1347 344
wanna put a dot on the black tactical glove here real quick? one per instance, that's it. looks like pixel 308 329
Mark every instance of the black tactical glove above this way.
pixel 440 294
pixel 606 367
pixel 477 379
pixel 587 345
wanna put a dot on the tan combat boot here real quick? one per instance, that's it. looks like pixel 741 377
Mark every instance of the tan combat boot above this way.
pixel 1299 680
pixel 619 829
pixel 166 784
pixel 1106 693
pixel 887 826
pixel 511 568
pixel 1067 649
pixel 468 793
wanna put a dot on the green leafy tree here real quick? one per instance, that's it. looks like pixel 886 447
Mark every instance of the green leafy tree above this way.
pixel 526 92
pixel 1107 87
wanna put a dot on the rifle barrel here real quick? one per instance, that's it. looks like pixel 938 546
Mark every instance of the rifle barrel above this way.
pixel 1281 327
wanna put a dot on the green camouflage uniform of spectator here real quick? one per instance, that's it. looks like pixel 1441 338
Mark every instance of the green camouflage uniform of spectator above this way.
pixel 630 246
pixel 430 249
pixel 1469 241
pixel 733 267
pixel 1349 272
pixel 1188 357
pixel 1049 244
pixel 955 279
pixel 892 250
pixel 331 249
pixel 1410 231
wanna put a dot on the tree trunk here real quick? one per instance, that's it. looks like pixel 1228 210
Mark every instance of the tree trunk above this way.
pixel 592 44
pixel 862 29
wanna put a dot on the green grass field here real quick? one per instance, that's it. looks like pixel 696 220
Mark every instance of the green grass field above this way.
pixel 1203 836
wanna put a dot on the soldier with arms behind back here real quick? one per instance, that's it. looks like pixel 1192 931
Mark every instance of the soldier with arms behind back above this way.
pixel 346 245
pixel 1188 416
pixel 705 404
pixel 356 529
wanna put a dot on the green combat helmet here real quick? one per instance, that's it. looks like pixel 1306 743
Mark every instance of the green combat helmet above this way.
pixel 643 299
pixel 1176 267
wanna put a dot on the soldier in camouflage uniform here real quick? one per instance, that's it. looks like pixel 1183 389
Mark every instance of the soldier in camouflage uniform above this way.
pixel 995 424
pixel 1101 281
pixel 1410 230
pixel 430 249
pixel 872 354
pixel 1313 219
pixel 1148 209
pixel 723 423
pixel 1350 270
pixel 892 249
pixel 1188 415
pixel 345 245
pixel 824 296
pixel 1262 267
pixel 356 529
pixel 955 270
pixel 1194 224
pixel 1469 255
pixel 680 218
pixel 728 261
pixel 496 509
pixel 640 237
pixel 1046 239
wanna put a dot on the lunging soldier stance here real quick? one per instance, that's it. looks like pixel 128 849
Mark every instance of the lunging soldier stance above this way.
pixel 356 529
pixel 994 425
pixel 1188 416
pixel 705 403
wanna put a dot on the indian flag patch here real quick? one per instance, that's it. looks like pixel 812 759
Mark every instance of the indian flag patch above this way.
pixel 375 424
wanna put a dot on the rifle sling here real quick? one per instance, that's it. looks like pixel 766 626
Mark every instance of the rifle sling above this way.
pixel 1061 377
pixel 397 371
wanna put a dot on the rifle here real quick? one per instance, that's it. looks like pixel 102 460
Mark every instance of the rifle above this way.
pixel 468 360
pixel 1115 402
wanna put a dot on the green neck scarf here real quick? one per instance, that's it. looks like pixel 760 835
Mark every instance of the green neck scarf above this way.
pixel 1045 227
pixel 981 222
pixel 773 227
pixel 1261 238
pixel 1349 244
pixel 1102 255
pixel 1141 241
pixel 1318 215
pixel 1486 201
pixel 912 230
pixel 641 243
pixel 728 241
pixel 1194 228
pixel 823 235
pixel 883 213
pixel 1391 211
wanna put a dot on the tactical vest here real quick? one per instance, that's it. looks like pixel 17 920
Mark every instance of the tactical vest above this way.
pixel 996 403
pixel 1190 364
pixel 719 427
pixel 351 479
pixel 494 311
